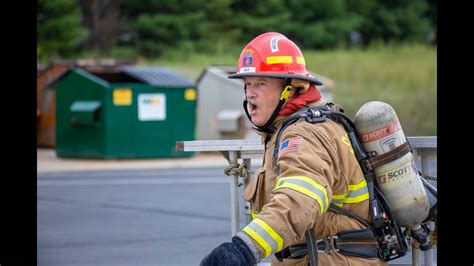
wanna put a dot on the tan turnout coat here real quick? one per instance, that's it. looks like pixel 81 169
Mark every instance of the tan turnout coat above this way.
pixel 315 156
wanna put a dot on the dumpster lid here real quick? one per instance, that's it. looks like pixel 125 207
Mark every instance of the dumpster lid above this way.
pixel 158 76
pixel 85 106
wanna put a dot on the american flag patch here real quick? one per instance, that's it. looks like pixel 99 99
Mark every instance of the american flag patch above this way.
pixel 289 145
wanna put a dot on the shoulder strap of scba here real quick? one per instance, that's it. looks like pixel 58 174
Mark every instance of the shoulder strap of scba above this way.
pixel 382 222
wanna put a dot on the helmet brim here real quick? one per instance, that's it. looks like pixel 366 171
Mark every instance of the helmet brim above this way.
pixel 313 80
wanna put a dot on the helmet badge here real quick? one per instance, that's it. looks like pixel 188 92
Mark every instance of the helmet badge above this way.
pixel 274 43
pixel 247 60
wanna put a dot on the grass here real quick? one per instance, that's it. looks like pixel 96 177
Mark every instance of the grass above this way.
pixel 403 76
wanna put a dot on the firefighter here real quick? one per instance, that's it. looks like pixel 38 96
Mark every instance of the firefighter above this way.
pixel 311 166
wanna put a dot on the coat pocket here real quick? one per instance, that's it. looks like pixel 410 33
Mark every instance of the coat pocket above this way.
pixel 253 192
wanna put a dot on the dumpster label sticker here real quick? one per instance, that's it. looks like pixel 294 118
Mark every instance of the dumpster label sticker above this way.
pixel 151 106
pixel 190 94
pixel 122 96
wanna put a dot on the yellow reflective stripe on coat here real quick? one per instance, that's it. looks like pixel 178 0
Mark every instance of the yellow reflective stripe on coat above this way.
pixel 338 199
pixel 356 193
pixel 307 186
pixel 265 236
pixel 253 214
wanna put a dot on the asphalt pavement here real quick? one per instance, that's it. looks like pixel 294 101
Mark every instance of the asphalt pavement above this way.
pixel 131 217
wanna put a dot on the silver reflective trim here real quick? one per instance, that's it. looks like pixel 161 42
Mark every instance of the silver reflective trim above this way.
pixel 249 242
pixel 308 187
pixel 265 235
pixel 356 193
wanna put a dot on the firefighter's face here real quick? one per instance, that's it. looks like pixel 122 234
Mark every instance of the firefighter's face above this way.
pixel 263 95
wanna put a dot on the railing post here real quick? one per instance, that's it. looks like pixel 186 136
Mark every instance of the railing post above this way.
pixel 428 257
pixel 248 165
pixel 234 196
pixel 415 254
pixel 425 164
pixel 425 169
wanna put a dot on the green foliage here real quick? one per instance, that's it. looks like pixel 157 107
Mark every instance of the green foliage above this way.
pixel 256 17
pixel 157 27
pixel 321 23
pixel 158 32
pixel 196 25
pixel 316 24
pixel 59 31
pixel 397 21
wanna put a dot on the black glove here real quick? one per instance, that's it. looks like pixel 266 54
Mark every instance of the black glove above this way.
pixel 235 253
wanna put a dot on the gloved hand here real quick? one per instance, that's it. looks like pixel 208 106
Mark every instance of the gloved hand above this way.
pixel 230 253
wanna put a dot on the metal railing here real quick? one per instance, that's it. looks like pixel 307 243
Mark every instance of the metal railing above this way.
pixel 243 151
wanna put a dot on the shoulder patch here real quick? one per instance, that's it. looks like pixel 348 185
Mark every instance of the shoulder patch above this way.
pixel 289 145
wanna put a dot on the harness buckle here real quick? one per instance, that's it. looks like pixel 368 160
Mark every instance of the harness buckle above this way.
pixel 329 244
pixel 315 113
pixel 367 165
pixel 315 116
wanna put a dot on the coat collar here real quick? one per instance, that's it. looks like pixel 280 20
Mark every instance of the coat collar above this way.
pixel 279 120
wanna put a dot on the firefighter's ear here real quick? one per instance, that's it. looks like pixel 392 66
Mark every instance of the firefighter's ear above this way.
pixel 300 86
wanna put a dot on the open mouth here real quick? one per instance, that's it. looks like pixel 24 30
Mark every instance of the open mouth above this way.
pixel 253 107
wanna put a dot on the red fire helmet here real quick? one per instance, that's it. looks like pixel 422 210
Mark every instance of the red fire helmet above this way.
pixel 272 54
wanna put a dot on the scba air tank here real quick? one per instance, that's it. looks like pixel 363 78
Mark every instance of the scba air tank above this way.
pixel 379 131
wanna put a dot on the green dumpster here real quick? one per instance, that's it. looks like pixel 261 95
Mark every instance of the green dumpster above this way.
pixel 133 112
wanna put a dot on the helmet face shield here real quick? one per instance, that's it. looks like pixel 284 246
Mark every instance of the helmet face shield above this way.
pixel 273 55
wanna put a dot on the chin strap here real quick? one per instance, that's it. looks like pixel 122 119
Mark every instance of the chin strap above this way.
pixel 285 93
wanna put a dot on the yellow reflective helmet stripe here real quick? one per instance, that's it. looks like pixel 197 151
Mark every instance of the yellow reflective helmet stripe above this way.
pixel 357 193
pixel 300 60
pixel 265 236
pixel 306 186
pixel 285 60
pixel 279 60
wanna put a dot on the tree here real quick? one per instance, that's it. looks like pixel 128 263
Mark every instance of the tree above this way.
pixel 156 26
pixel 315 23
pixel 322 24
pixel 104 22
pixel 186 24
pixel 59 30
pixel 388 20
pixel 257 17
